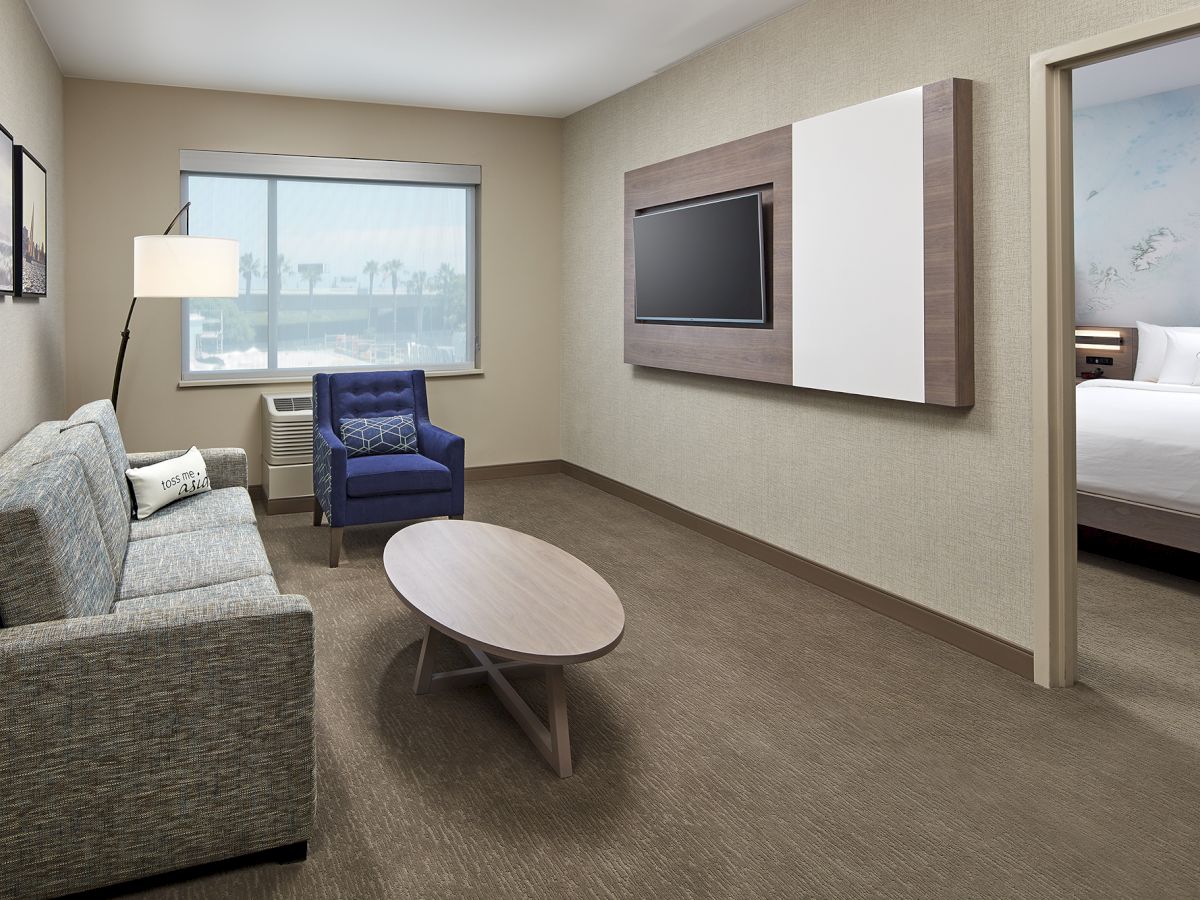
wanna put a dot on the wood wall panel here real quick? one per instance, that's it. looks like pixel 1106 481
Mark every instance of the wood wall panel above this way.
pixel 949 239
pixel 762 161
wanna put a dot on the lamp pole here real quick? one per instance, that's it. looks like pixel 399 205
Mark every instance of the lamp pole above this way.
pixel 116 389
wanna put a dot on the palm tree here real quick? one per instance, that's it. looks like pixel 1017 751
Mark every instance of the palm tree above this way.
pixel 394 268
pixel 250 268
pixel 282 267
pixel 371 269
pixel 416 285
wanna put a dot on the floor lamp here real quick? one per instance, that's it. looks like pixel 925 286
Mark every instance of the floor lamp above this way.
pixel 178 265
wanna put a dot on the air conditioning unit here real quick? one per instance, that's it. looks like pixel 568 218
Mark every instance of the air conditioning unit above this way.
pixel 287 445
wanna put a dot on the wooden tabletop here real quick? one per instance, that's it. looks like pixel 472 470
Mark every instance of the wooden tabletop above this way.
pixel 505 592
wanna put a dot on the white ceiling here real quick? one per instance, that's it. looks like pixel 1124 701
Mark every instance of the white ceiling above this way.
pixel 1154 71
pixel 535 57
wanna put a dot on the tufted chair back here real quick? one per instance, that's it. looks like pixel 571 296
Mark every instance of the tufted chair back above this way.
pixel 366 395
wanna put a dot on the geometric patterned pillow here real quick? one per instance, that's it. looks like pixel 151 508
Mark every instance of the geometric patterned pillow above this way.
pixel 375 437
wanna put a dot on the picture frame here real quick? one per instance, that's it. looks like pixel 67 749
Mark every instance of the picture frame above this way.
pixel 8 218
pixel 29 230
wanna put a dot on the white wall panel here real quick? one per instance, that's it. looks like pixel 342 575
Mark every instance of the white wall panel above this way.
pixel 858 298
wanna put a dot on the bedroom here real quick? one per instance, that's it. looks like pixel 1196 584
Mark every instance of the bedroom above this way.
pixel 1136 161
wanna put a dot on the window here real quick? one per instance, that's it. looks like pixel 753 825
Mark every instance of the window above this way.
pixel 344 264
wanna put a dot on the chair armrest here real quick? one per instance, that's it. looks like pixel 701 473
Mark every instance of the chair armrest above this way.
pixel 329 472
pixel 442 446
pixel 226 465
pixel 141 742
pixel 450 450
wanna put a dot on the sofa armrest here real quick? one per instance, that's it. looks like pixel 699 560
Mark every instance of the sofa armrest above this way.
pixel 227 466
pixel 143 742
pixel 329 473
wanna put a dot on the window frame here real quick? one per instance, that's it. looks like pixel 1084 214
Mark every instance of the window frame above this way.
pixel 274 167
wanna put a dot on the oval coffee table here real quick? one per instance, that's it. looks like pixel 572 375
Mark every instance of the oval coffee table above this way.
pixel 503 594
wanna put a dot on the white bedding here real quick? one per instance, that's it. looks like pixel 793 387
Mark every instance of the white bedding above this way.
pixel 1140 441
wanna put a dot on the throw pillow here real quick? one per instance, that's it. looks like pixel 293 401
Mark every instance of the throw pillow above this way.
pixel 377 437
pixel 163 483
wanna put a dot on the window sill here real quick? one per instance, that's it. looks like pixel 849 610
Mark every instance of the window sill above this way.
pixel 302 379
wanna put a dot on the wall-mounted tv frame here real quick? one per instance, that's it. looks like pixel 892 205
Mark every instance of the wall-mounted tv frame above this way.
pixel 702 262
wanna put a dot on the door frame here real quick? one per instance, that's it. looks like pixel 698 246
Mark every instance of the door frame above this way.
pixel 1053 306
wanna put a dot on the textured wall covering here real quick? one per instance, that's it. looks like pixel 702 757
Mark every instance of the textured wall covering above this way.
pixel 1137 210
pixel 32 332
pixel 931 504
pixel 123 143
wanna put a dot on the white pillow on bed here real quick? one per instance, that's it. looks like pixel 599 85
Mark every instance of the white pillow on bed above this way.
pixel 1182 362
pixel 1152 349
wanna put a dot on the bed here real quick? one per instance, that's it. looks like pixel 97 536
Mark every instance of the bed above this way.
pixel 1138 460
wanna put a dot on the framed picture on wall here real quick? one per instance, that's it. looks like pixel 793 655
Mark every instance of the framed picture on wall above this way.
pixel 30 229
pixel 8 262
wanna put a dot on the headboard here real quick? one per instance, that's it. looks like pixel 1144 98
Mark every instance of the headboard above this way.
pixel 1111 349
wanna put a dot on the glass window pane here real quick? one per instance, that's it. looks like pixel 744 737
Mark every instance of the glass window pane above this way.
pixel 230 335
pixel 372 275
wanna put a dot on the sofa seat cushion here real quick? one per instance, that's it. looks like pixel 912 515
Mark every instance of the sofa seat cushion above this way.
pixel 400 473
pixel 215 509
pixel 242 589
pixel 180 562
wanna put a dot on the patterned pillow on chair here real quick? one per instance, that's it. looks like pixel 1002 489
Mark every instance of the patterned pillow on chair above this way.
pixel 376 437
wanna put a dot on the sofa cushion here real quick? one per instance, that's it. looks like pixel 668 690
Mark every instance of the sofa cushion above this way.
pixel 179 562
pixel 53 559
pixel 242 589
pixel 87 445
pixel 216 509
pixel 101 414
pixel 405 473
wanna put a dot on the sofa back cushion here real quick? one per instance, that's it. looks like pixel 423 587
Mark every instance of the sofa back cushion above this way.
pixel 101 414
pixel 54 562
pixel 108 495
pixel 376 395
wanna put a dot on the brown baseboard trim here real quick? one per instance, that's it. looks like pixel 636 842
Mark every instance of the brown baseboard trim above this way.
pixel 514 470
pixel 959 634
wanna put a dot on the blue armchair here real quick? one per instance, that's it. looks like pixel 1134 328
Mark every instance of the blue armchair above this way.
pixel 364 490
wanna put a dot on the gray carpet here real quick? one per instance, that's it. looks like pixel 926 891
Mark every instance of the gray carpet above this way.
pixel 751 737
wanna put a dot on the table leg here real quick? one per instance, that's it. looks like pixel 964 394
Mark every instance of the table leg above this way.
pixel 424 676
pixel 560 737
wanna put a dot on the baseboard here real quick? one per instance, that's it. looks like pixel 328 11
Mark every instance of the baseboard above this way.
pixel 959 634
pixel 514 470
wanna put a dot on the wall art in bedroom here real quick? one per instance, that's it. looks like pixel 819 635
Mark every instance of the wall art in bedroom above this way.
pixel 7 244
pixel 30 203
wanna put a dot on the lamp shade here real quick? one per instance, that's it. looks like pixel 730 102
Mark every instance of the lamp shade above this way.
pixel 172 265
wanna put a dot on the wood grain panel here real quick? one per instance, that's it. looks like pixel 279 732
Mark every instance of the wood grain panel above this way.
pixel 762 161
pixel 1124 356
pixel 949 243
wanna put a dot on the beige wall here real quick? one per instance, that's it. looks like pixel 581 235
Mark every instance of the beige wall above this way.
pixel 32 330
pixel 931 504
pixel 123 144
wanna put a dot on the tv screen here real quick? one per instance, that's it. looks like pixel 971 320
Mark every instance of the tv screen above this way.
pixel 701 262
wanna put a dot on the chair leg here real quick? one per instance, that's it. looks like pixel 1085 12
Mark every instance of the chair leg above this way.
pixel 335 546
pixel 317 511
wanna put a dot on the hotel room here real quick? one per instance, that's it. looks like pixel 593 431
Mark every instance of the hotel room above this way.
pixel 679 449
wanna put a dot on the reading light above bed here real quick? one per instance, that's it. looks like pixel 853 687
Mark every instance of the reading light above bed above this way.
pixel 1098 339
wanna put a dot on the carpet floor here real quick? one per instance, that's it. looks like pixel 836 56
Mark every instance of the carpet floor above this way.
pixel 753 736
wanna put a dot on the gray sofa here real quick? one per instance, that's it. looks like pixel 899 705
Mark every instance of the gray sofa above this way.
pixel 156 690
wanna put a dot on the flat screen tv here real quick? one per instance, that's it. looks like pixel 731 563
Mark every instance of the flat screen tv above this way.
pixel 701 262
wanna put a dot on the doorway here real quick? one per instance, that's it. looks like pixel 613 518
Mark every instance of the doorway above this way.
pixel 1053 332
